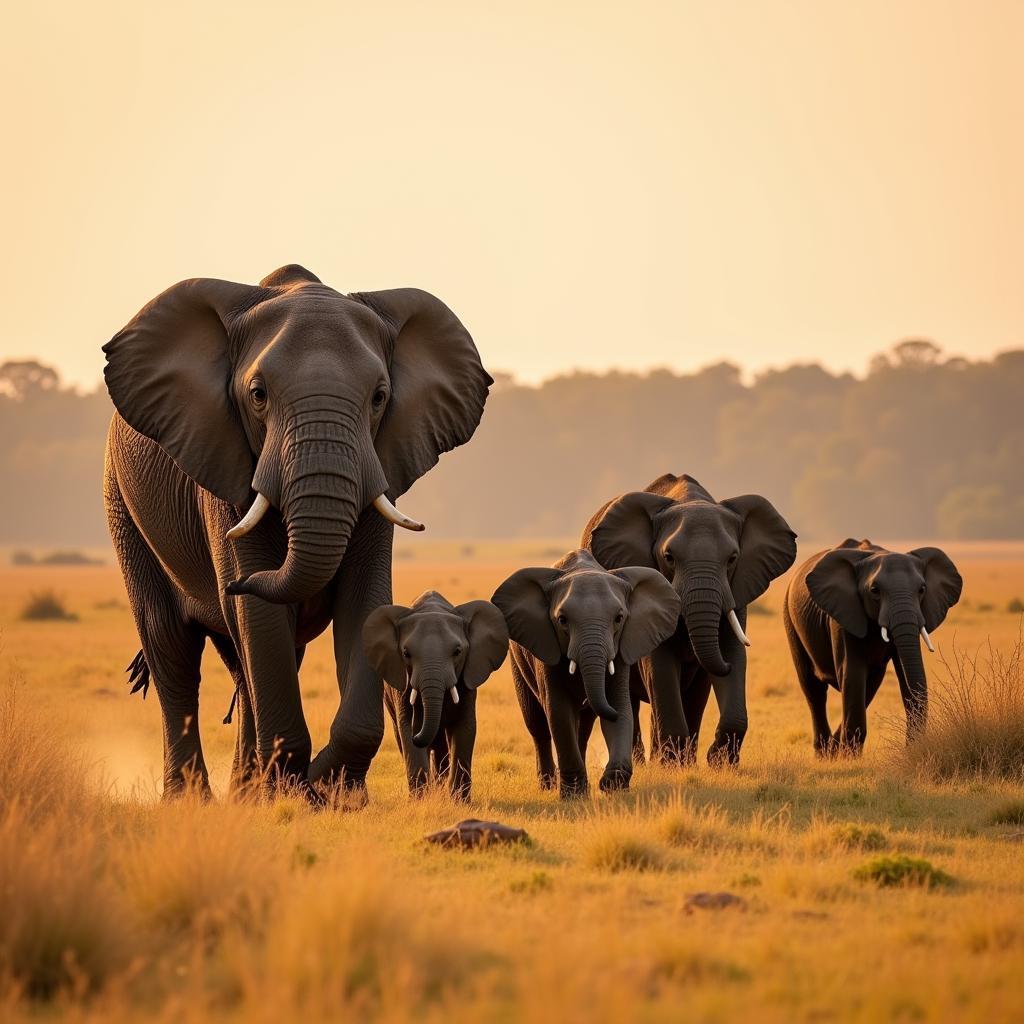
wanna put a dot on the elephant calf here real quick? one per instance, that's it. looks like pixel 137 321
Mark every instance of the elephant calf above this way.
pixel 848 612
pixel 433 656
pixel 579 616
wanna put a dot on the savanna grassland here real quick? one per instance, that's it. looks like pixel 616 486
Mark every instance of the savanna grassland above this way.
pixel 114 906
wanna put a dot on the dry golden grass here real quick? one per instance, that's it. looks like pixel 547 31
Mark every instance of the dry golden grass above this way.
pixel 114 907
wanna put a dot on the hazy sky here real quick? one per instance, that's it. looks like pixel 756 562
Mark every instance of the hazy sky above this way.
pixel 635 184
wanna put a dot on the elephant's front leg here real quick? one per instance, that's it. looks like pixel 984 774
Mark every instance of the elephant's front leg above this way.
pixel 363 584
pixel 461 743
pixel 669 732
pixel 731 696
pixel 618 735
pixel 564 723
pixel 416 759
pixel 264 639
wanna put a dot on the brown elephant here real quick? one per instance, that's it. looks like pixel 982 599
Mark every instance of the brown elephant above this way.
pixel 719 556
pixel 433 655
pixel 314 410
pixel 851 610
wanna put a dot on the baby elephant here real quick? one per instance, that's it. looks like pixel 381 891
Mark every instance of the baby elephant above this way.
pixel 432 657
pixel 577 629
pixel 851 610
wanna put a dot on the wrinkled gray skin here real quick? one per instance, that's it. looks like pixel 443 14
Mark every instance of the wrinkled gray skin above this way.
pixel 719 557
pixel 577 611
pixel 432 648
pixel 835 606
pixel 320 402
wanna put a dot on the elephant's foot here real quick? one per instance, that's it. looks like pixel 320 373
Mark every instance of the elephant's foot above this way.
pixel 849 744
pixel 546 780
pixel 573 788
pixel 678 752
pixel 615 779
pixel 725 750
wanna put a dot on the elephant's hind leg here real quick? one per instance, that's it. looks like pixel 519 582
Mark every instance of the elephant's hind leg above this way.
pixel 171 645
pixel 536 724
pixel 815 690
pixel 245 766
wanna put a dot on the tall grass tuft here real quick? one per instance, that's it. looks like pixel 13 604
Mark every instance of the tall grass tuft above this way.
pixel 975 718
pixel 46 606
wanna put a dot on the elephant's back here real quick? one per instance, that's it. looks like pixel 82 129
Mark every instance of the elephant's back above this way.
pixel 588 530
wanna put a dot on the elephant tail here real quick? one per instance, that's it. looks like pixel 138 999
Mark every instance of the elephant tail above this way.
pixel 139 676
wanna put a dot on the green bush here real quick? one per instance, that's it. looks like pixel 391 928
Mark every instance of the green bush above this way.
pixel 899 869
pixel 46 605
pixel 1011 813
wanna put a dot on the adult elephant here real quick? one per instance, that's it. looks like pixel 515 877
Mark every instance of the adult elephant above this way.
pixel 718 556
pixel 261 436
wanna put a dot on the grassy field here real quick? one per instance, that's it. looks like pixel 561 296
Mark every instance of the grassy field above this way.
pixel 116 907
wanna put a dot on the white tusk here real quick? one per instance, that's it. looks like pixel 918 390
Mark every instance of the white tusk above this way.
pixel 250 519
pixel 737 628
pixel 885 634
pixel 455 695
pixel 572 667
pixel 412 696
pixel 611 668
pixel 927 640
pixel 392 515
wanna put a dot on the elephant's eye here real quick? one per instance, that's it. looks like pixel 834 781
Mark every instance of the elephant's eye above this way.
pixel 921 589
pixel 457 651
pixel 405 653
pixel 668 557
pixel 380 396
pixel 618 618
pixel 257 394
pixel 563 620
pixel 874 589
pixel 733 558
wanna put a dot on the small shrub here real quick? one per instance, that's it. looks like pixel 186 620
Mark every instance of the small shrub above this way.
pixel 1015 606
pixel 986 606
pixel 975 718
pixel 899 869
pixel 759 609
pixel 1011 813
pixel 683 824
pixel 851 836
pixel 46 606
pixel 539 881
pixel 616 846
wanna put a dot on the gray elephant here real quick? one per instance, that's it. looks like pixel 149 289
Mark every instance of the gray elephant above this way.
pixel 718 556
pixel 577 615
pixel 433 656
pixel 851 610
pixel 314 411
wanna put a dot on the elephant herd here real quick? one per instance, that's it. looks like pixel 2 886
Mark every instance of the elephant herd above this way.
pixel 261 436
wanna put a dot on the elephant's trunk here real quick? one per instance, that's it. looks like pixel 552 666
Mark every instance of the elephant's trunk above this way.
pixel 326 479
pixel 431 698
pixel 905 632
pixel 702 607
pixel 592 654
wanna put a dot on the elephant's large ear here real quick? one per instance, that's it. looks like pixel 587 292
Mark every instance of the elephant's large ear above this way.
pixel 943 585
pixel 653 612
pixel 488 641
pixel 767 547
pixel 169 375
pixel 438 385
pixel 380 643
pixel 833 587
pixel 524 599
pixel 624 535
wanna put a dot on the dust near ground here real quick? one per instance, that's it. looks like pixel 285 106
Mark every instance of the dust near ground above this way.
pixel 595 919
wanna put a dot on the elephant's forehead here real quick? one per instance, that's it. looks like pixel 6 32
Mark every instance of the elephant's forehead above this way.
pixel 426 626
pixel 582 587
pixel 694 518
pixel 891 565
pixel 313 310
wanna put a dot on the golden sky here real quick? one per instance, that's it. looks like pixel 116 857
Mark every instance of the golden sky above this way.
pixel 587 185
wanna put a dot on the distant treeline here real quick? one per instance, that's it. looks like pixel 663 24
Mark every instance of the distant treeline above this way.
pixel 921 446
